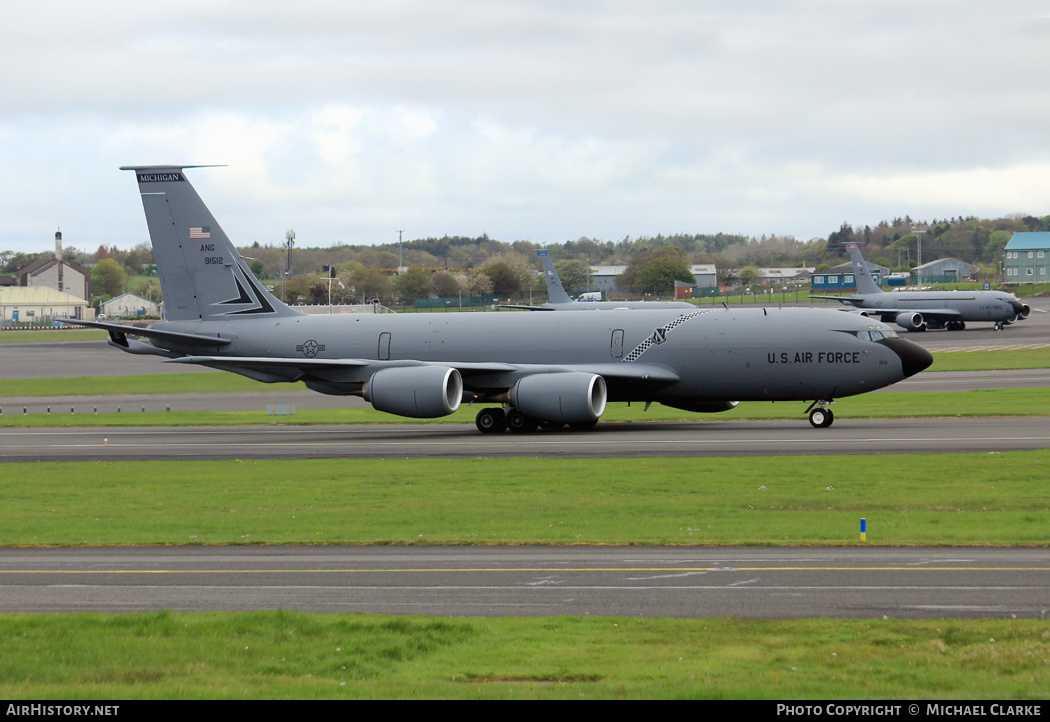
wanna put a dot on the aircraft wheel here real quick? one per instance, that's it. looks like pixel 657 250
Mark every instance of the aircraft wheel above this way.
pixel 519 423
pixel 490 421
pixel 962 325
pixel 821 418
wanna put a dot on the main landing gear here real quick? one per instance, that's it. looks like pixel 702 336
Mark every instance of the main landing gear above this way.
pixel 820 415
pixel 496 421
pixel 491 421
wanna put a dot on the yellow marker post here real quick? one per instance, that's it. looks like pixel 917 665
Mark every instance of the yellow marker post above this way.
pixel 863 529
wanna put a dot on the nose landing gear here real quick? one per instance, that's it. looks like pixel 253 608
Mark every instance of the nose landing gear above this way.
pixel 820 414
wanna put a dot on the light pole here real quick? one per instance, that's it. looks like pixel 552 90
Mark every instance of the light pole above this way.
pixel 918 230
pixel 289 239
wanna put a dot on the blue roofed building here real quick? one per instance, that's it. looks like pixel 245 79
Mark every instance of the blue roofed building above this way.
pixel 1027 258
pixel 841 278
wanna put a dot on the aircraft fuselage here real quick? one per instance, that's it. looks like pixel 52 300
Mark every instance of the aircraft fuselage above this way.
pixel 710 355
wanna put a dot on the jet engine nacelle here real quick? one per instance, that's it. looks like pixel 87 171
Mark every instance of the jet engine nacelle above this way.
pixel 1025 311
pixel 910 320
pixel 422 392
pixel 568 398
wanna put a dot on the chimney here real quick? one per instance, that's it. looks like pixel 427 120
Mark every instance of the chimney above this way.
pixel 58 245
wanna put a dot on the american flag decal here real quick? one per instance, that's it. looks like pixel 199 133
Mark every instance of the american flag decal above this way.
pixel 199 232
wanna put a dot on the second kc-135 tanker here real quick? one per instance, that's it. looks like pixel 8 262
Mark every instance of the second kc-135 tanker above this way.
pixel 531 369
pixel 919 310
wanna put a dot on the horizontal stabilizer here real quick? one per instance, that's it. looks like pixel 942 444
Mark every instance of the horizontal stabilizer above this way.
pixel 119 333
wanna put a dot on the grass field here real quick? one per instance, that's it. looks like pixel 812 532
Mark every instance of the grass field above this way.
pixel 47 336
pixel 274 655
pixel 1001 499
pixel 982 403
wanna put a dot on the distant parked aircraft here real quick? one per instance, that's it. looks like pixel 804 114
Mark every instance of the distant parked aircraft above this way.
pixel 919 310
pixel 561 301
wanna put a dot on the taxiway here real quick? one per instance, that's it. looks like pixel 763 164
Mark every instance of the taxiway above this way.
pixel 534 581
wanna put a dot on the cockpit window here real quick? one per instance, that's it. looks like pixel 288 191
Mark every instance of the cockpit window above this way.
pixel 876 334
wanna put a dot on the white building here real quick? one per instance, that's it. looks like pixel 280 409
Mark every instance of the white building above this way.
pixel 41 304
pixel 128 304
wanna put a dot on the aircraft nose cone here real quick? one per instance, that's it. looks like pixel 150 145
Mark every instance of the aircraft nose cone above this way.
pixel 1020 308
pixel 914 358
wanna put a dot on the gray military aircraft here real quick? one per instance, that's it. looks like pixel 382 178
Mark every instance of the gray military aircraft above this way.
pixel 561 301
pixel 919 310
pixel 537 368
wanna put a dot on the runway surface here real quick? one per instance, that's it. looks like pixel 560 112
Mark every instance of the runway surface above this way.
pixel 457 441
pixel 534 581
pixel 302 400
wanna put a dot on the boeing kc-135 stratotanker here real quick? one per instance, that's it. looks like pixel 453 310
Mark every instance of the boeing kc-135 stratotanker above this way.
pixel 553 369
pixel 917 310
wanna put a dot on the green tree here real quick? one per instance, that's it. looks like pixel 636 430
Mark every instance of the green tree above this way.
pixel 510 272
pixel 747 275
pixel 148 288
pixel 413 284
pixel 370 283
pixel 504 282
pixel 573 275
pixel 475 284
pixel 107 278
pixel 444 285
pixel 656 271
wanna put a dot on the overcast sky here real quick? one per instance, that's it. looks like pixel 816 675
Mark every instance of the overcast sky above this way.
pixel 535 120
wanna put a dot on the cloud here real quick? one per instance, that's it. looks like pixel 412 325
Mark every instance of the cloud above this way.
pixel 540 120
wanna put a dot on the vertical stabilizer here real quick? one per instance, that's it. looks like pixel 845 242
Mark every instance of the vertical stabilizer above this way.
pixel 555 291
pixel 202 275
pixel 861 274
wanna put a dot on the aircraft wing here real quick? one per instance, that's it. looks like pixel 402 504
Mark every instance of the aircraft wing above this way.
pixel 939 314
pixel 358 370
pixel 525 308
pixel 844 299
pixel 308 365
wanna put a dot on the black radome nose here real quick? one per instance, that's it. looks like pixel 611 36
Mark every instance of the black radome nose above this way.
pixel 914 358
